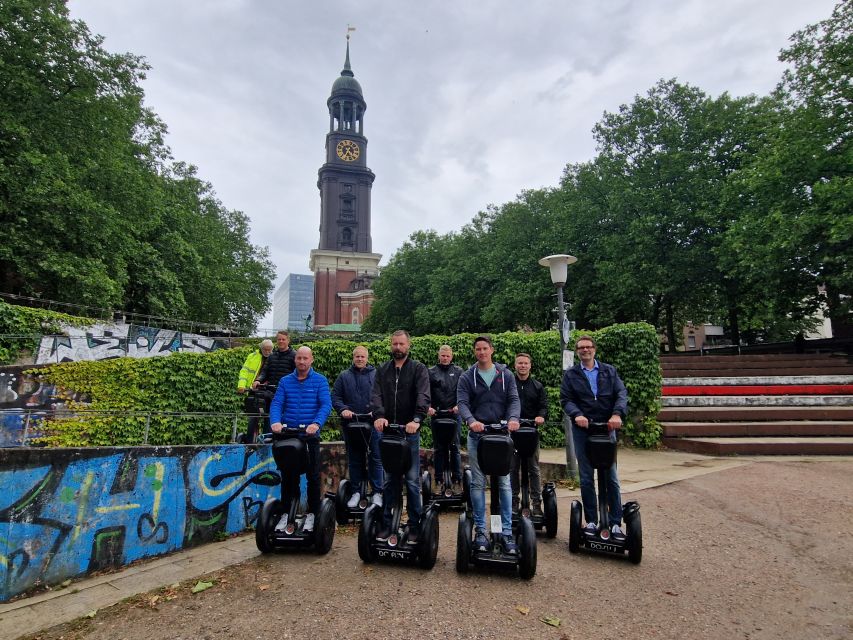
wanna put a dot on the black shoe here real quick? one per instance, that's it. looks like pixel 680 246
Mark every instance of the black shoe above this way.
pixel 383 535
pixel 412 536
pixel 536 511
pixel 481 542
pixel 510 548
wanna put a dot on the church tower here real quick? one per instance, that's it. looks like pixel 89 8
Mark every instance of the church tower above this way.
pixel 344 266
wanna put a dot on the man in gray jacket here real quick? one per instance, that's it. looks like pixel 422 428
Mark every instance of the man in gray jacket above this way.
pixel 486 394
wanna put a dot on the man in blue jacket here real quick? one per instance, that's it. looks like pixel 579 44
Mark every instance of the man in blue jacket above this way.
pixel 593 392
pixel 302 398
pixel 486 394
pixel 351 395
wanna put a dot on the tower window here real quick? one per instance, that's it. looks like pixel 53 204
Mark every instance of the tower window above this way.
pixel 346 236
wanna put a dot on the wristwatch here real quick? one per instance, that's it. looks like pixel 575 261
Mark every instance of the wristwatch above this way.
pixel 416 420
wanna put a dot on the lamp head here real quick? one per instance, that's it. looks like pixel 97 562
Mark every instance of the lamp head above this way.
pixel 559 266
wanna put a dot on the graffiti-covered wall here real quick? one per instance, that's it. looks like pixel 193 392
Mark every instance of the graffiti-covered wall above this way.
pixel 68 512
pixel 102 341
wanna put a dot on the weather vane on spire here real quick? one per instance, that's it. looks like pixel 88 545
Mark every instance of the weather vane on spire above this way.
pixel 349 28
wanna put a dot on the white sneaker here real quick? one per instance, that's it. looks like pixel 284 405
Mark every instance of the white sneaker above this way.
pixel 377 499
pixel 308 525
pixel 617 532
pixel 353 501
pixel 591 527
pixel 282 524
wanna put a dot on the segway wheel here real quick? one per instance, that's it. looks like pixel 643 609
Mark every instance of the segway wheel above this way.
pixel 526 549
pixel 341 498
pixel 575 527
pixel 324 531
pixel 549 504
pixel 428 546
pixel 267 519
pixel 367 534
pixel 634 538
pixel 426 488
pixel 463 544
pixel 467 479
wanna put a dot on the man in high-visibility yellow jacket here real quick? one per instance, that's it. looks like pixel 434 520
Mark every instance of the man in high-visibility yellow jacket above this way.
pixel 251 368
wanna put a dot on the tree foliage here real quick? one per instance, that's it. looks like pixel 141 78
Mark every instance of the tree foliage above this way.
pixel 696 208
pixel 93 209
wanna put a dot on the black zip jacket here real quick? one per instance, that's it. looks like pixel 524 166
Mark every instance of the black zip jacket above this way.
pixel 400 395
pixel 279 364
pixel 443 379
pixel 534 398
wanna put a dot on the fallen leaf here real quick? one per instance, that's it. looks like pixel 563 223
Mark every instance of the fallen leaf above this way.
pixel 670 593
pixel 153 600
pixel 92 613
pixel 263 587
pixel 554 621
pixel 201 586
pixel 64 583
pixel 524 610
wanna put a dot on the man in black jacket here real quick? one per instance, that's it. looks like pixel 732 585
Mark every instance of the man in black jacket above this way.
pixel 443 379
pixel 401 396
pixel 593 392
pixel 280 363
pixel 534 406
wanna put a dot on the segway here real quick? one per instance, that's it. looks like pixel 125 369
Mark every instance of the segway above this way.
pixel 357 434
pixel 258 398
pixel 601 453
pixel 444 425
pixel 494 455
pixel 525 439
pixel 397 460
pixel 291 457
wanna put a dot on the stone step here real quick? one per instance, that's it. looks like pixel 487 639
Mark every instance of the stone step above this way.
pixel 781 428
pixel 757 401
pixel 758 380
pixel 841 446
pixel 758 390
pixel 734 372
pixel 754 414
pixel 794 359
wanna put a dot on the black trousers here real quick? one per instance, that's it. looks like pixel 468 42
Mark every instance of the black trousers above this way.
pixel 290 485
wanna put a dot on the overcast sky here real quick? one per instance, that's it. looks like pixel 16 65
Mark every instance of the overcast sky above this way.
pixel 468 103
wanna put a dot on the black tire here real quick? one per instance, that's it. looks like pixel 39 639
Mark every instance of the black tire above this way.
pixel 527 549
pixel 342 496
pixel 267 519
pixel 549 508
pixel 634 535
pixel 367 534
pixel 426 488
pixel 428 546
pixel 467 479
pixel 324 530
pixel 463 544
pixel 575 527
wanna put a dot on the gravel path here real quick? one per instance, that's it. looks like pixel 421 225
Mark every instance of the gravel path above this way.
pixel 759 551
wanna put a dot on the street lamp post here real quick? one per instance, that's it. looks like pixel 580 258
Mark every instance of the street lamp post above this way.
pixel 558 265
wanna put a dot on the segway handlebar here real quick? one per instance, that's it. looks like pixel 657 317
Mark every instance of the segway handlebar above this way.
pixel 444 413
pixel 496 427
pixel 287 431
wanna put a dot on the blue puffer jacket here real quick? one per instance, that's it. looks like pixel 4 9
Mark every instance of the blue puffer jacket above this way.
pixel 301 402
pixel 352 389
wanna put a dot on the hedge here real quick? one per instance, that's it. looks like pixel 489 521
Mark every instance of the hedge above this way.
pixel 189 382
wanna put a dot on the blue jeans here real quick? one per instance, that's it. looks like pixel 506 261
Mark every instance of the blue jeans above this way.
pixel 355 461
pixel 588 495
pixel 393 487
pixel 478 491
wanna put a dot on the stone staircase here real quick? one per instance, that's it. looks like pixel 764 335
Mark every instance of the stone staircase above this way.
pixel 795 404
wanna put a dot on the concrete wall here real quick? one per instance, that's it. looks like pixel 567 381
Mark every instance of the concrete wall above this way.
pixel 69 512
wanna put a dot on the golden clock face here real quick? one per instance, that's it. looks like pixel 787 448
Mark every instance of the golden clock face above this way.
pixel 348 150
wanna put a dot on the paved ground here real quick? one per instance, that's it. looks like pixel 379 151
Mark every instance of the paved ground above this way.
pixel 736 548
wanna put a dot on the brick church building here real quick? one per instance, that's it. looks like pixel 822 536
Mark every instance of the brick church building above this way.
pixel 344 266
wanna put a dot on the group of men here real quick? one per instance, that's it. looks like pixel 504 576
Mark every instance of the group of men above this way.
pixel 403 391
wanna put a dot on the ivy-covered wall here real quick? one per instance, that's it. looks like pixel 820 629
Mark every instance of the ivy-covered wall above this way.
pixel 207 383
